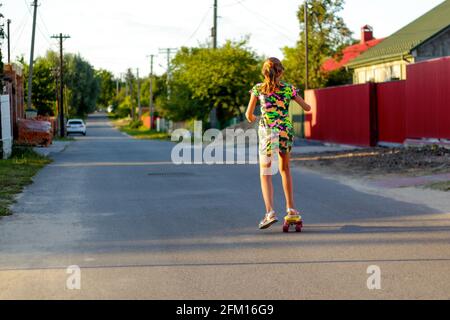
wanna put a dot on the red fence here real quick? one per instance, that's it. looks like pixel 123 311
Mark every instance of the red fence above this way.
pixel 385 112
pixel 428 99
pixel 391 106
pixel 341 114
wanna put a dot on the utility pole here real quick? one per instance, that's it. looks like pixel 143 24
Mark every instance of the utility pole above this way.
pixel 151 106
pixel 123 77
pixel 61 37
pixel 33 34
pixel 9 41
pixel 214 29
pixel 306 48
pixel 133 108
pixel 168 52
pixel 139 94
pixel 213 113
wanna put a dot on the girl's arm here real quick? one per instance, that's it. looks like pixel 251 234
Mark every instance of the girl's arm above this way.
pixel 251 109
pixel 302 103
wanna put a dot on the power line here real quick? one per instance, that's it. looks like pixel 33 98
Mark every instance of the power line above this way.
pixel 20 34
pixel 22 21
pixel 43 21
pixel 44 36
pixel 233 4
pixel 199 26
pixel 266 20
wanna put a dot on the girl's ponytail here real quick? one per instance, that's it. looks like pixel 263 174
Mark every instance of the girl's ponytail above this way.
pixel 272 70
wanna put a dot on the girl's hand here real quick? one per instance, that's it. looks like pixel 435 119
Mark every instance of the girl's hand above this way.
pixel 251 109
pixel 302 103
pixel 251 118
pixel 307 107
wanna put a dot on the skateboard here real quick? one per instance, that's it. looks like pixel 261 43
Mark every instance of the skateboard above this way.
pixel 292 221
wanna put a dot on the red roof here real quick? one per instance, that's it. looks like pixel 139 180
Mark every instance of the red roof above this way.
pixel 349 53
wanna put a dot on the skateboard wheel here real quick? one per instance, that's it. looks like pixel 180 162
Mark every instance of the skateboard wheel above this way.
pixel 285 228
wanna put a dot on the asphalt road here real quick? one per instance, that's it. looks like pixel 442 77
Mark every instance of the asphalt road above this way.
pixel 140 227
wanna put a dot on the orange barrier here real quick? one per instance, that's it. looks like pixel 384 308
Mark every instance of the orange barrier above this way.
pixel 34 132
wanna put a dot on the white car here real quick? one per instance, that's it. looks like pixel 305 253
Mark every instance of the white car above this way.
pixel 76 126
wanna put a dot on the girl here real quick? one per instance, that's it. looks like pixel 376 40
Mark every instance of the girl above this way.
pixel 276 134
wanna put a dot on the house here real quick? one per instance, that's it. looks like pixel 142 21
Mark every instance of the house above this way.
pixel 352 52
pixel 426 38
pixel 14 88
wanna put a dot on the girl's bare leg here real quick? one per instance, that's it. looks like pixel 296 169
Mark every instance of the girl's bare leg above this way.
pixel 285 171
pixel 266 183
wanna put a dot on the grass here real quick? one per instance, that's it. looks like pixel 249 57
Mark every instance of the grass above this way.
pixel 16 173
pixel 141 132
pixel 441 186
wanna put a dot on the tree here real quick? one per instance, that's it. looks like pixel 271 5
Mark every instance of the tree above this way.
pixel 45 75
pixel 328 35
pixel 205 78
pixel 45 79
pixel 82 84
pixel 107 87
pixel 130 81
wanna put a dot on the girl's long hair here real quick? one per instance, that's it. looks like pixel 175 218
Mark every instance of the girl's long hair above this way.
pixel 272 70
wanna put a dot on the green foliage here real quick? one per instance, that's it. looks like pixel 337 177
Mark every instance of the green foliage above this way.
pixel 83 84
pixel 107 88
pixel 204 78
pixel 339 77
pixel 141 132
pixel 135 124
pixel 328 34
pixel 45 75
pixel 123 109
pixel 16 173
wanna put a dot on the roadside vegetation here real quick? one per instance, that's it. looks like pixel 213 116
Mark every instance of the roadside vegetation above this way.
pixel 16 173
pixel 137 130
pixel 441 186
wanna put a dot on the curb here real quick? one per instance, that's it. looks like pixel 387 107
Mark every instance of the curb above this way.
pixel 56 147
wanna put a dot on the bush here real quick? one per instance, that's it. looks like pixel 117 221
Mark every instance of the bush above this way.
pixel 124 108
pixel 135 124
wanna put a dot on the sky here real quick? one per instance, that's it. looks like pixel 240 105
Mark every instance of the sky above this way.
pixel 117 35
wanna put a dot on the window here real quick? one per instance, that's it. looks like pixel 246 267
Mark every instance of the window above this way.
pixel 396 72
pixel 361 77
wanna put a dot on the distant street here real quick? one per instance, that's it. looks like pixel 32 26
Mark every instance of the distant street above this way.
pixel 140 227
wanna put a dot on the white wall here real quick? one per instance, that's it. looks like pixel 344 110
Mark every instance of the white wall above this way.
pixel 6 134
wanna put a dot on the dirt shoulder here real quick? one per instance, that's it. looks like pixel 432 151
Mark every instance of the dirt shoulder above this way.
pixel 384 163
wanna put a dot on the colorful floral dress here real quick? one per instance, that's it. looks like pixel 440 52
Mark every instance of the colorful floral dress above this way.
pixel 276 133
